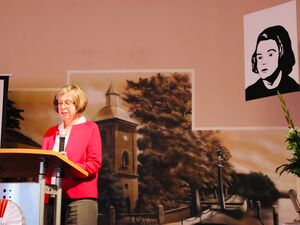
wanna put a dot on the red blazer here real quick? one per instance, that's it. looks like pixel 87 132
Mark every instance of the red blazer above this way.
pixel 84 148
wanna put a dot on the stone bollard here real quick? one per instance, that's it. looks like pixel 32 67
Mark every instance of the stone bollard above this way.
pixel 160 214
pixel 258 208
pixel 275 215
pixel 111 215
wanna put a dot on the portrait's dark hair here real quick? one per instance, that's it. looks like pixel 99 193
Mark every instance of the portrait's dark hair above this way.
pixel 286 55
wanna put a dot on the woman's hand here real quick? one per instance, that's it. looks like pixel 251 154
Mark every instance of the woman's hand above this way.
pixel 64 153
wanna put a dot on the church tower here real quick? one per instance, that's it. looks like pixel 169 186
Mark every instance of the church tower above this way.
pixel 118 133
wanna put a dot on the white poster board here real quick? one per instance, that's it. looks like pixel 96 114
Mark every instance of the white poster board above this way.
pixel 271 29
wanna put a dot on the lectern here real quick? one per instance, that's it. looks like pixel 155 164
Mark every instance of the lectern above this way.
pixel 30 196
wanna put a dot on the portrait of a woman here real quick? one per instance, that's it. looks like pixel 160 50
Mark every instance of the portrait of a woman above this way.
pixel 273 59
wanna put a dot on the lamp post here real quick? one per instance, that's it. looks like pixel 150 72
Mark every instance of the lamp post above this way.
pixel 222 158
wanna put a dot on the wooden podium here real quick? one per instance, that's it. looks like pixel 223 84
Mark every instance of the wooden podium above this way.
pixel 35 163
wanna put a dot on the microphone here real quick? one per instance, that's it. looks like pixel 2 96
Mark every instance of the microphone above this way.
pixel 62 137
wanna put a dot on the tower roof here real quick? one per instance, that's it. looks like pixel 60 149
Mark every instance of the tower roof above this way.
pixel 112 109
pixel 112 112
pixel 111 90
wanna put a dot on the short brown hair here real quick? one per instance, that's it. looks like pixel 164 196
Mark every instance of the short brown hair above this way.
pixel 78 97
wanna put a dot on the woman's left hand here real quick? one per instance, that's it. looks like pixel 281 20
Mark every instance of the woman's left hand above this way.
pixel 64 153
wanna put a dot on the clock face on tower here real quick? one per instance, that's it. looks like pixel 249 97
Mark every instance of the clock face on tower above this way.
pixel 125 137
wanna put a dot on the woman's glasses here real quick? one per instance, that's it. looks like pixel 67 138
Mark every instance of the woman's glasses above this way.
pixel 67 103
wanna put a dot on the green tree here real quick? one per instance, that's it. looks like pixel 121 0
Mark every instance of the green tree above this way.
pixel 255 186
pixel 173 158
pixel 12 132
pixel 13 115
pixel 110 189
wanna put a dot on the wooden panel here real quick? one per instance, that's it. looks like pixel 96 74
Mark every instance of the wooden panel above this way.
pixel 25 163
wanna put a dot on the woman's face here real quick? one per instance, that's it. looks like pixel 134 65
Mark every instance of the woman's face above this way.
pixel 66 108
pixel 267 56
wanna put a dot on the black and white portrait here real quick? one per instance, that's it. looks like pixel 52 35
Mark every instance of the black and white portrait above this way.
pixel 272 60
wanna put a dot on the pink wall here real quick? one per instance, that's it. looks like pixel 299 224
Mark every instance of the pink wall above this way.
pixel 41 40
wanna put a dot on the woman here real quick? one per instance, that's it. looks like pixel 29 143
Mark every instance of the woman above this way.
pixel 273 59
pixel 83 147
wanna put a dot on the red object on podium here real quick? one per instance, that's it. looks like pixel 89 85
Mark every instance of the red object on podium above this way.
pixel 3 204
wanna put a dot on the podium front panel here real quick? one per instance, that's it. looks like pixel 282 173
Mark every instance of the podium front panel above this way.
pixel 26 163
pixel 26 196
